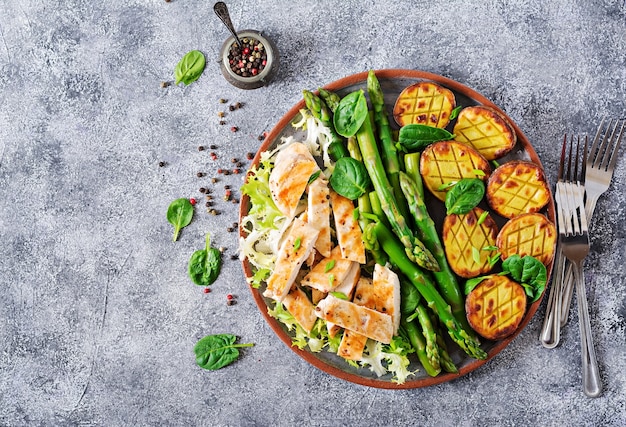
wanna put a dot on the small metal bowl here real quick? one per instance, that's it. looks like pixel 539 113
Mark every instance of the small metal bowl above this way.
pixel 263 77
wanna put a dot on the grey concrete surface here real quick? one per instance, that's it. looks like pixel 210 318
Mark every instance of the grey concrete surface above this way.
pixel 97 317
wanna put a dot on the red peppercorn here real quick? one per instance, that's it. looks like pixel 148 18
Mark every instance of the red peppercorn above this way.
pixel 246 51
pixel 206 290
pixel 229 297
pixel 236 171
pixel 264 62
pixel 192 201
pixel 220 171
pixel 234 129
pixel 254 71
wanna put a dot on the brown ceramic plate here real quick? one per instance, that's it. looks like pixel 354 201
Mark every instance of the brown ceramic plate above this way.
pixel 392 83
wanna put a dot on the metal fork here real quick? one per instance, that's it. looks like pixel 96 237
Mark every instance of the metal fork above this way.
pixel 599 172
pixel 574 241
pixel 551 329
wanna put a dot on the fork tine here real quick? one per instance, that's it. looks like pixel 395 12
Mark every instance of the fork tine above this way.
pixel 569 160
pixel 576 177
pixel 613 157
pixel 596 141
pixel 560 175
pixel 584 162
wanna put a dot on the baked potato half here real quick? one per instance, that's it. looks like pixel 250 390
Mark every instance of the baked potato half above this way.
pixel 517 187
pixel 528 234
pixel 424 103
pixel 446 162
pixel 495 307
pixel 486 130
pixel 465 238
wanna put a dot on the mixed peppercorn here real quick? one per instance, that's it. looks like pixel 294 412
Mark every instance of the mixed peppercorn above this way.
pixel 249 59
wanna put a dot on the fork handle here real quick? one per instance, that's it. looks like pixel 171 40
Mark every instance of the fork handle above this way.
pixel 592 383
pixel 551 330
pixel 568 282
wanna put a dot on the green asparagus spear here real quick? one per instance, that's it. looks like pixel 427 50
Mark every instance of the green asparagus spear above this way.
pixel 415 249
pixel 337 148
pixel 432 349
pixel 412 169
pixel 387 145
pixel 330 98
pixel 416 338
pixel 400 260
pixel 427 232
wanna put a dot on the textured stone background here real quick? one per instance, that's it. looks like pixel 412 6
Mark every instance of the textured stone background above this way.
pixel 97 317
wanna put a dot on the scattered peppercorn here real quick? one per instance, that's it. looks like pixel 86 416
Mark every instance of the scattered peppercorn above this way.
pixel 236 171
pixel 230 229
pixel 222 249
pixel 222 101
pixel 213 147
pixel 220 170
pixel 192 201
pixel 226 172
pixel 213 156
pixel 209 197
pixel 213 212
pixel 260 137
pixel 235 201
pixel 208 204
pixel 200 148
pixel 239 164
pixel 220 114
pixel 231 302
pixel 231 108
pixel 202 190
pixel 214 180
pixel 229 297
pixel 200 174
pixel 234 257
pixel 165 84
pixel 233 160
pixel 227 187
pixel 238 105
pixel 206 290
pixel 222 122
pixel 161 164
pixel 234 129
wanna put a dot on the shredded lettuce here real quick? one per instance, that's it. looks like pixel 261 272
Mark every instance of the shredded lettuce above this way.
pixel 388 358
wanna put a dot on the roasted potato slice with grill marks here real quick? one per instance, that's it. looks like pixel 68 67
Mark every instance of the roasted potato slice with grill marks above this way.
pixel 464 240
pixel 446 162
pixel 528 234
pixel 424 103
pixel 488 131
pixel 517 187
pixel 496 307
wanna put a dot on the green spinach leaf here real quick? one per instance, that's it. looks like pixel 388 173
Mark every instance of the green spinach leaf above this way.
pixel 350 178
pixel 216 351
pixel 409 297
pixel 470 284
pixel 179 214
pixel 351 113
pixel 190 67
pixel 204 265
pixel 529 272
pixel 416 137
pixel 464 196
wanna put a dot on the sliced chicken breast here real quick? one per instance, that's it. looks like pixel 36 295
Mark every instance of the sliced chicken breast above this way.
pixel 294 249
pixel 349 236
pixel 319 213
pixel 301 308
pixel 365 321
pixel 293 167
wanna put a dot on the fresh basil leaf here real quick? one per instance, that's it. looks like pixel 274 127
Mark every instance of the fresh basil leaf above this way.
pixel 216 351
pixel 464 196
pixel 350 178
pixel 416 137
pixel 204 265
pixel 455 113
pixel 409 297
pixel 351 113
pixel 190 67
pixel 179 214
pixel 527 271
pixel 470 284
